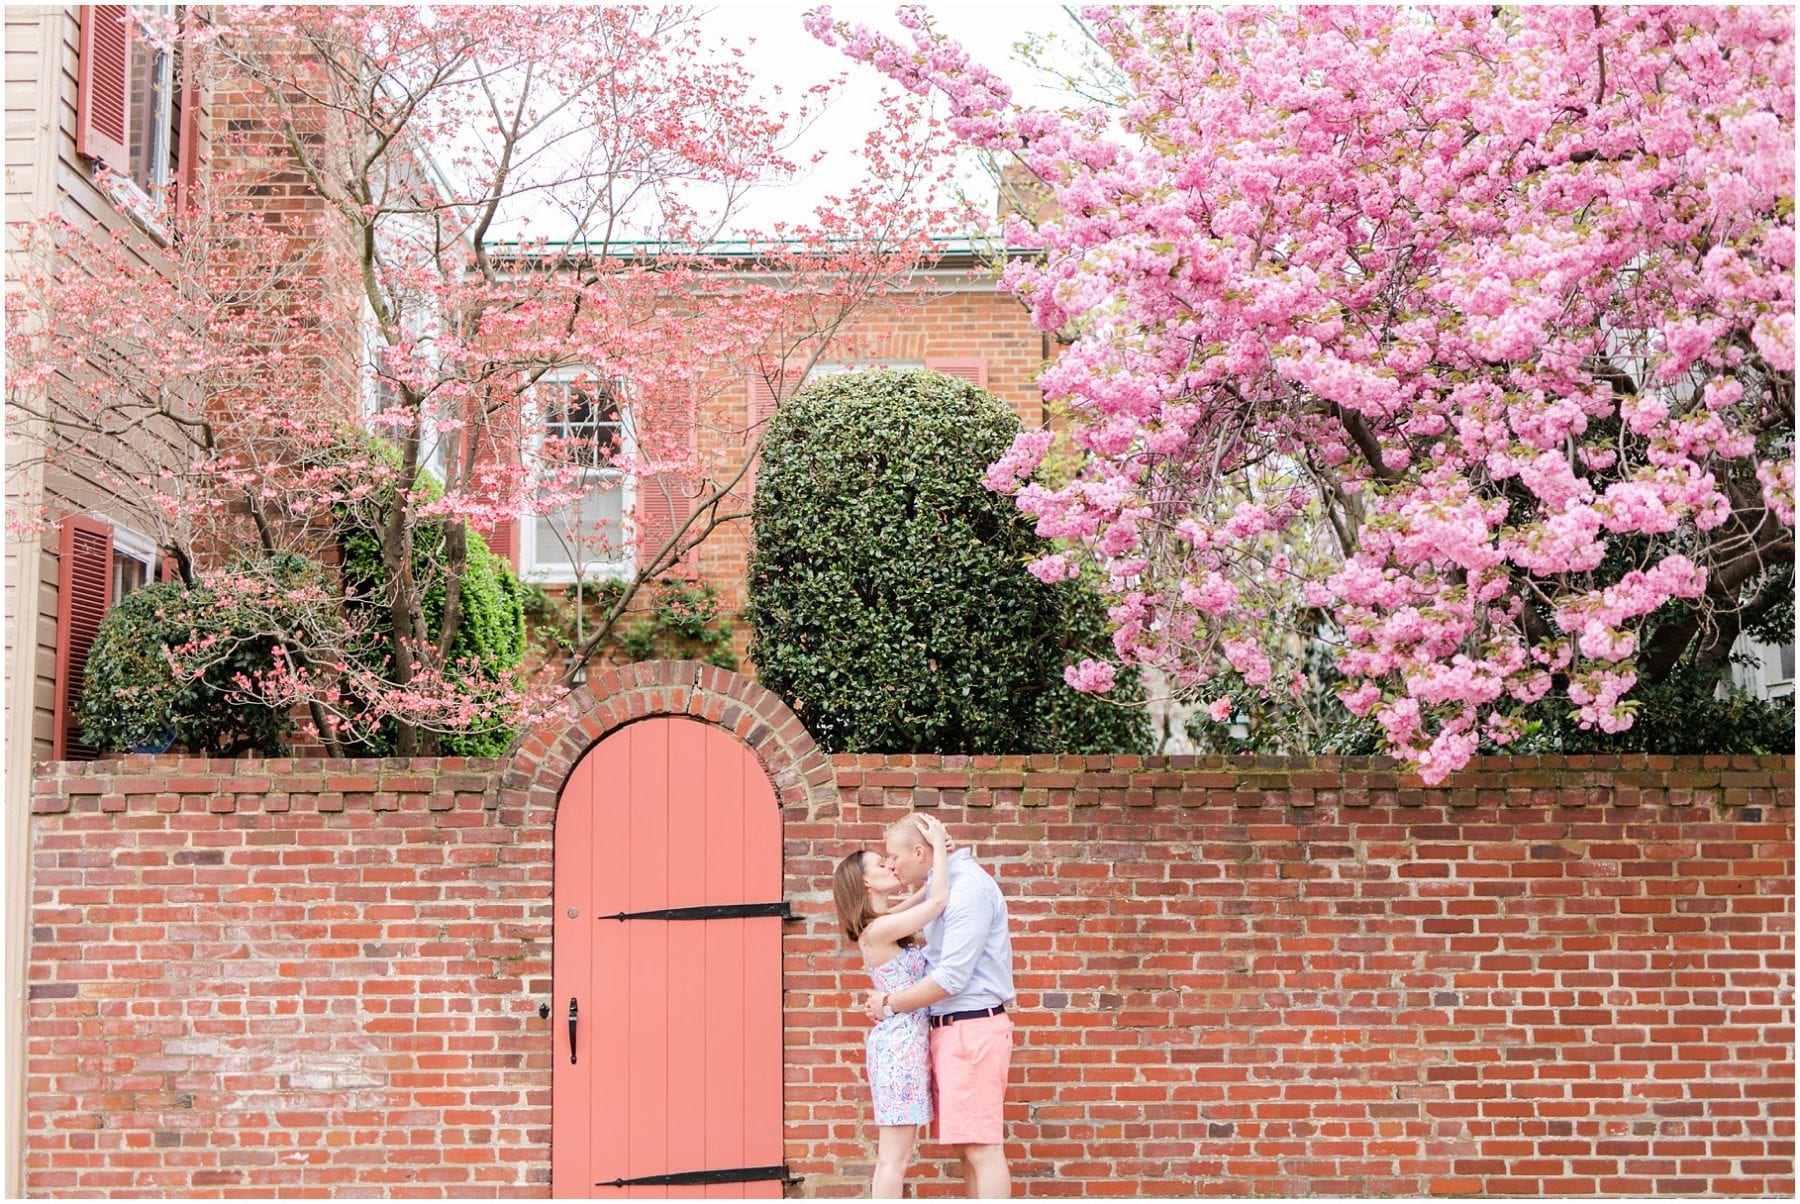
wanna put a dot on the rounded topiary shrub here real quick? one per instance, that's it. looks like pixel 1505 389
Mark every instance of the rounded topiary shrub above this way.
pixel 888 596
pixel 133 700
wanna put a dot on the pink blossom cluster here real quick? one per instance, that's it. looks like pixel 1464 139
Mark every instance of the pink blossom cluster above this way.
pixel 1451 307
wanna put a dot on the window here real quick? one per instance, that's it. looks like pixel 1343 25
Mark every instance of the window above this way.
pixel 130 111
pixel 98 565
pixel 381 392
pixel 152 147
pixel 583 426
pixel 133 563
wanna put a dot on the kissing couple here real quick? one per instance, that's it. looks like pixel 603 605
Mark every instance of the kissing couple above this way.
pixel 931 926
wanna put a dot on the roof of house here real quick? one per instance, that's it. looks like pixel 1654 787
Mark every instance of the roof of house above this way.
pixel 952 251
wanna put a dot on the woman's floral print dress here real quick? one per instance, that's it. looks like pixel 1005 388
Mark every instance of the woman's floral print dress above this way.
pixel 899 1049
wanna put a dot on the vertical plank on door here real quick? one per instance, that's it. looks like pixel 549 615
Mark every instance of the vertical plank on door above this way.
pixel 648 1046
pixel 725 941
pixel 608 1140
pixel 762 976
pixel 571 976
pixel 688 806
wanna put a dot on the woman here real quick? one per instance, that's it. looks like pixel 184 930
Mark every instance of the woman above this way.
pixel 898 1048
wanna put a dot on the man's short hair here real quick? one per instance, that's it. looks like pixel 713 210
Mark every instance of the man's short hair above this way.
pixel 909 833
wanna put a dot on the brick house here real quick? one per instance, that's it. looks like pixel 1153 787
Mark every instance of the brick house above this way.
pixel 950 318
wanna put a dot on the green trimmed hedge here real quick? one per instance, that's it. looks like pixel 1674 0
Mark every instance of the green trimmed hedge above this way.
pixel 888 597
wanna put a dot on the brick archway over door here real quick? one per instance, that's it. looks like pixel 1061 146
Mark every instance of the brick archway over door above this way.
pixel 541 761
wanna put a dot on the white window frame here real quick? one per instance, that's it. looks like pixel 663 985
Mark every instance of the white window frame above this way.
pixel 839 367
pixel 130 545
pixel 1763 677
pixel 162 119
pixel 148 207
pixel 625 566
pixel 431 442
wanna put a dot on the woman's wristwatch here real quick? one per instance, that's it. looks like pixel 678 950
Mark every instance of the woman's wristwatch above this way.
pixel 887 1008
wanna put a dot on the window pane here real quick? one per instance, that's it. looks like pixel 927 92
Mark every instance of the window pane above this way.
pixel 149 146
pixel 590 532
pixel 1786 659
pixel 585 416
pixel 129 575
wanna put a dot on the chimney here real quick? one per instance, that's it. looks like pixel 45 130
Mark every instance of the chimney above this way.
pixel 1021 192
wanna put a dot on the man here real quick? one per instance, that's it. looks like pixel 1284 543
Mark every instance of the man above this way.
pixel 967 985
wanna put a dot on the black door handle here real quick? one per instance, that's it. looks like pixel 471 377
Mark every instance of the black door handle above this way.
pixel 574 1010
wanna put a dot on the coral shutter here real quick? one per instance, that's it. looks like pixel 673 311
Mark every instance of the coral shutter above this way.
pixel 102 106
pixel 83 596
pixel 766 396
pixel 499 445
pixel 187 147
pixel 665 500
pixel 973 371
pixel 765 399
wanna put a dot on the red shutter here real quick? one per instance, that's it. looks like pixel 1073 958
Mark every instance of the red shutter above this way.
pixel 973 371
pixel 504 542
pixel 103 100
pixel 497 443
pixel 766 395
pixel 83 596
pixel 665 500
pixel 170 570
pixel 764 400
pixel 187 148
pixel 663 504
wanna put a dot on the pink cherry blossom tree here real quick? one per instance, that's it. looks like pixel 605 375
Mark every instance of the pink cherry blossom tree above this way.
pixel 489 196
pixel 1461 337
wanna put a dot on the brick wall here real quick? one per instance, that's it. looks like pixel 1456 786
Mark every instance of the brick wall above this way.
pixel 1246 978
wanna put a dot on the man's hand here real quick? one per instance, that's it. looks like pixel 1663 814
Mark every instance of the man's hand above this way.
pixel 872 1004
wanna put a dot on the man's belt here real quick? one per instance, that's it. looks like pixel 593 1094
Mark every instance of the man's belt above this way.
pixel 977 1014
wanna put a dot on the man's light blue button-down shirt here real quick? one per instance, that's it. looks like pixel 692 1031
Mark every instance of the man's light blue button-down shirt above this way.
pixel 968 950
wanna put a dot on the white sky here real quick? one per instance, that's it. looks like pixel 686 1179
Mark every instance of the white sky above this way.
pixel 779 51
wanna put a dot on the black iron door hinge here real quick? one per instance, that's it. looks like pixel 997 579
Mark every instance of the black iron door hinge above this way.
pixel 742 1174
pixel 717 911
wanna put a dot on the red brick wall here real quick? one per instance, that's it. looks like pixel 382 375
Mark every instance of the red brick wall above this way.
pixel 1256 977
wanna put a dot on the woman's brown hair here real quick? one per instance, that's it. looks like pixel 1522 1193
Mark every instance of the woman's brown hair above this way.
pixel 850 891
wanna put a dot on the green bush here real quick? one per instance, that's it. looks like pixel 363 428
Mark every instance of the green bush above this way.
pixel 491 635
pixel 888 597
pixel 132 699
pixel 682 622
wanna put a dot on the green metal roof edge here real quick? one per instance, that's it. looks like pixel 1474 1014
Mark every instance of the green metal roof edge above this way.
pixel 745 248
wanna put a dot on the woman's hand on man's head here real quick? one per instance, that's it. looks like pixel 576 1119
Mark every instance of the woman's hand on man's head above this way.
pixel 933 828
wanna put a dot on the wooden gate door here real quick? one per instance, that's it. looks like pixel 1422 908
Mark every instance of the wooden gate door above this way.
pixel 667 969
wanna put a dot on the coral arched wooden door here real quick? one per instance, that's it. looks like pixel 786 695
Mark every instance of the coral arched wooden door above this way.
pixel 667 969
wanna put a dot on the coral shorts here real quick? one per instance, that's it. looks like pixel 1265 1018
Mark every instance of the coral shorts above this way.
pixel 969 1062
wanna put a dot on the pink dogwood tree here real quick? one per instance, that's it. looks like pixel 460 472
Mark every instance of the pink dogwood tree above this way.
pixel 1462 336
pixel 490 196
